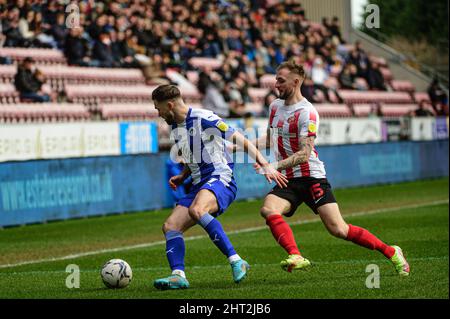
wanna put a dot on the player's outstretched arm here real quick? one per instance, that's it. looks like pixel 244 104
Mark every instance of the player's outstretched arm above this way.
pixel 261 143
pixel 248 147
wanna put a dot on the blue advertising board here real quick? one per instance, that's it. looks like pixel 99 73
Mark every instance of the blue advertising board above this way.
pixel 138 137
pixel 44 190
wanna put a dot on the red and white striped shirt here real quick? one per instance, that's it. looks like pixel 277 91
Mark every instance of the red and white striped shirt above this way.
pixel 287 124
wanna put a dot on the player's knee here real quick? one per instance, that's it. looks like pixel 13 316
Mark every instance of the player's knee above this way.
pixel 266 211
pixel 168 226
pixel 339 231
pixel 196 212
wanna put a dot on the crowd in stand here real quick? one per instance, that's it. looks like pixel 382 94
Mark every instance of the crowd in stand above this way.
pixel 250 36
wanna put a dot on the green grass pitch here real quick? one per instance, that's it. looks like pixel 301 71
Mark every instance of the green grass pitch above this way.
pixel 412 215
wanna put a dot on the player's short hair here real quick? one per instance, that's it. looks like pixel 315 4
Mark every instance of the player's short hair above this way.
pixel 165 92
pixel 293 67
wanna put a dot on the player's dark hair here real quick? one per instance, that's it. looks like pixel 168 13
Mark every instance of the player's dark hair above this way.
pixel 293 67
pixel 165 92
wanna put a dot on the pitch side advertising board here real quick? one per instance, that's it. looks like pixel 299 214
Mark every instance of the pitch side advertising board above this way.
pixel 71 140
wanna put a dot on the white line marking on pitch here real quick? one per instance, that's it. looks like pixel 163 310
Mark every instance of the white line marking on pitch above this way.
pixel 240 231
pixel 226 265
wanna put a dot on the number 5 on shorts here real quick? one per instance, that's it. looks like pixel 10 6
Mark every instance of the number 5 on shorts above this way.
pixel 316 191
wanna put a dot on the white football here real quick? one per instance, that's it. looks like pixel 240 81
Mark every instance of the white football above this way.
pixel 116 273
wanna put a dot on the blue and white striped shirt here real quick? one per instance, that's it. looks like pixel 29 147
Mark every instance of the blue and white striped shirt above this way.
pixel 201 141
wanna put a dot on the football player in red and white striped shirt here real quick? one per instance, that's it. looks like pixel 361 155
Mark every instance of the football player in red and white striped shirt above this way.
pixel 293 126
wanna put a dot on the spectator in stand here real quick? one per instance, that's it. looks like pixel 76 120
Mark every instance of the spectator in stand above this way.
pixel 437 95
pixel 102 54
pixel 319 75
pixel 123 55
pixel 335 29
pixel 361 61
pixel 308 90
pixel 77 50
pixel 375 78
pixel 11 30
pixel 347 77
pixel 212 98
pixel 29 80
pixel 422 111
pixel 59 31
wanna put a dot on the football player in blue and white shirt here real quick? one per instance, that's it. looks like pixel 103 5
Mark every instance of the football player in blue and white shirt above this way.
pixel 200 140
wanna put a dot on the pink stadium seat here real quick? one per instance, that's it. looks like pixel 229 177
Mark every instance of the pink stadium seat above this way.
pixel 257 94
pixel 397 110
pixel 351 97
pixel 267 80
pixel 421 96
pixel 39 112
pixel 47 56
pixel 387 74
pixel 255 108
pixel 8 93
pixel 98 94
pixel 80 75
pixel 202 62
pixel 333 110
pixel 144 111
pixel 362 110
pixel 402 85
pixel 380 60
pixel 192 76
pixel 7 73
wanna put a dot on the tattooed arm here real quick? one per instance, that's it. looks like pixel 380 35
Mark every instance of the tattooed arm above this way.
pixel 302 156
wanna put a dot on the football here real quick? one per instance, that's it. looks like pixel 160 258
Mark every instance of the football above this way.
pixel 116 273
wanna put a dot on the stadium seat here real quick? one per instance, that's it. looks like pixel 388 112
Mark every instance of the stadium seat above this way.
pixel 40 55
pixel 421 96
pixel 267 80
pixel 387 74
pixel 362 110
pixel 258 94
pixel 333 110
pixel 203 62
pixel 192 76
pixel 397 110
pixel 351 97
pixel 7 73
pixel 255 108
pixel 402 86
pixel 43 112
pixel 92 95
pixel 379 60
pixel 140 112
pixel 8 93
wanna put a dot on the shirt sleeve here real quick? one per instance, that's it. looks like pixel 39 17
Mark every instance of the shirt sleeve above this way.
pixel 218 125
pixel 308 123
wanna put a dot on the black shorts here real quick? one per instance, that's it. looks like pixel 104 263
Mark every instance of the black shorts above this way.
pixel 315 192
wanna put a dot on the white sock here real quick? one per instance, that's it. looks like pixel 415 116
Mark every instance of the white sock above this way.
pixel 179 273
pixel 234 258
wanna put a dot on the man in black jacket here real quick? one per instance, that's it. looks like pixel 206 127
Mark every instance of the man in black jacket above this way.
pixel 28 81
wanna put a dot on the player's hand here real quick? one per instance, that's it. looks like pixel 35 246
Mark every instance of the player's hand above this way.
pixel 271 174
pixel 176 180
